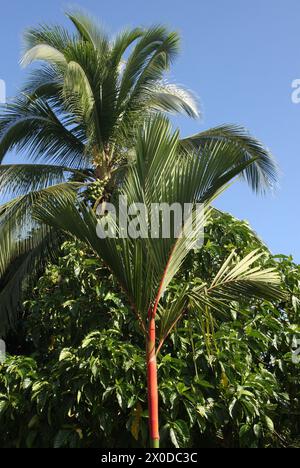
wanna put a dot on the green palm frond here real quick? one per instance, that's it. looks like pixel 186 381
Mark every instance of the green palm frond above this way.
pixel 238 280
pixel 45 82
pixel 77 91
pixel 120 44
pixel 261 175
pixel 89 30
pixel 25 243
pixel 55 36
pixel 30 257
pixel 149 59
pixel 16 222
pixel 20 179
pixel 45 53
pixel 33 126
pixel 18 210
pixel 172 98
pixel 171 312
pixel 242 280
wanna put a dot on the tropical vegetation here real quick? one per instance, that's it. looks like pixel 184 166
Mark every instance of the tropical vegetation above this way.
pixel 91 120
pixel 75 374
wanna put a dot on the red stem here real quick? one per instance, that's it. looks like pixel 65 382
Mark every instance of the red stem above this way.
pixel 152 386
pixel 152 367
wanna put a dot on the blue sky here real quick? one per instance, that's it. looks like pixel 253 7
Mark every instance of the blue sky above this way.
pixel 239 57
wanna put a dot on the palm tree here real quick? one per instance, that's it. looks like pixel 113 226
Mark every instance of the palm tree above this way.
pixel 164 171
pixel 76 122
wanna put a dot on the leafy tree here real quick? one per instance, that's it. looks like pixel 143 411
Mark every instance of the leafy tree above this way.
pixel 76 122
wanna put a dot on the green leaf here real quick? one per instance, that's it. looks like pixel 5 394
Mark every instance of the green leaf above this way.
pixel 257 429
pixel 269 423
pixel 179 433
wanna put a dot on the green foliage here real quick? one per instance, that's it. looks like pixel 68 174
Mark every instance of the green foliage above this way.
pixel 80 382
pixel 70 300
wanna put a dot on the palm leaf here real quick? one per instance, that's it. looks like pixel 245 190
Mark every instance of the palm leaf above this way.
pixel 30 257
pixel 54 36
pixel 20 179
pixel 32 125
pixel 240 280
pixel 149 59
pixel 25 245
pixel 172 98
pixel 89 30
pixel 236 281
pixel 44 53
pixel 261 175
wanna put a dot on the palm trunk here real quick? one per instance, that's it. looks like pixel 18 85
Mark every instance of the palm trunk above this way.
pixel 152 386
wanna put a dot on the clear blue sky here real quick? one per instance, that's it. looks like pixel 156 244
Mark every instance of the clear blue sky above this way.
pixel 239 56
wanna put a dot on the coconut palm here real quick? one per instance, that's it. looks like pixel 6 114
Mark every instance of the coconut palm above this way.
pixel 76 122
pixel 163 171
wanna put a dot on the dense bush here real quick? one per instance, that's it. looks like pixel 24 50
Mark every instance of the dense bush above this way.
pixel 76 374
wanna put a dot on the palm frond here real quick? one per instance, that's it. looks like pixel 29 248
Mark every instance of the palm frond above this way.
pixel 16 222
pixel 149 59
pixel 52 35
pixel 238 280
pixel 89 30
pixel 30 257
pixel 20 179
pixel 262 175
pixel 45 53
pixel 32 125
pixel 45 82
pixel 77 91
pixel 121 43
pixel 165 97
pixel 25 244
